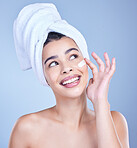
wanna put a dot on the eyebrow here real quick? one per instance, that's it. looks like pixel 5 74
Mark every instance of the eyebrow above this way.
pixel 56 56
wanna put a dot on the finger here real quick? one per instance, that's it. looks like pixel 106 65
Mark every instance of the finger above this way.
pixel 107 60
pixel 92 67
pixel 99 61
pixel 113 67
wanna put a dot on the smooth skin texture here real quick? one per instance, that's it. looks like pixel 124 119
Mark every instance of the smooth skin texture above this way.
pixel 82 63
pixel 70 123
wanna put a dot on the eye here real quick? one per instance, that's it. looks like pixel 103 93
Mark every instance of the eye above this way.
pixel 53 64
pixel 73 56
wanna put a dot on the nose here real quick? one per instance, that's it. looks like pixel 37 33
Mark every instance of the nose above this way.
pixel 66 68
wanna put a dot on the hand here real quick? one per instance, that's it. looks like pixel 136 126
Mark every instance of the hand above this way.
pixel 97 90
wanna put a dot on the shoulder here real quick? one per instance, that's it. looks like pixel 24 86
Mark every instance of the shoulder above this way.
pixel 121 127
pixel 26 122
pixel 118 118
pixel 22 134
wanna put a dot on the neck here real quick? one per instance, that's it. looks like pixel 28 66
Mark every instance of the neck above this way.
pixel 72 111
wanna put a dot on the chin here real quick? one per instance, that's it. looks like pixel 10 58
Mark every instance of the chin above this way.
pixel 76 95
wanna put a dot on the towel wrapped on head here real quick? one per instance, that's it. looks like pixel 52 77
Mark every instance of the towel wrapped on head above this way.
pixel 31 29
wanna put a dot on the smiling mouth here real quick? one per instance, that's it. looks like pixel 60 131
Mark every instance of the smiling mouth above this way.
pixel 71 82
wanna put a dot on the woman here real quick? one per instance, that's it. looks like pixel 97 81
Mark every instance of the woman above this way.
pixel 70 123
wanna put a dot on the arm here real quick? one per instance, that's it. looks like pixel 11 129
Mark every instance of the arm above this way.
pixel 106 132
pixel 112 128
pixel 97 92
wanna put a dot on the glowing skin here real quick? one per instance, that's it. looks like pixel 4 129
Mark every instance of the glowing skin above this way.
pixel 63 65
pixel 82 63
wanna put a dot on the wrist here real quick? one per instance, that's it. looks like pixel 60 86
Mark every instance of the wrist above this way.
pixel 101 106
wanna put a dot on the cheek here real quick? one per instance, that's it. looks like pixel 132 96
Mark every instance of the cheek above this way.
pixel 84 70
pixel 81 65
pixel 76 62
pixel 86 73
pixel 51 75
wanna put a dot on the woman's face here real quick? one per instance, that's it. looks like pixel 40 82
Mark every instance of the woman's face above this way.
pixel 60 61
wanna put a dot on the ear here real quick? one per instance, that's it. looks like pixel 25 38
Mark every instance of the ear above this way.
pixel 47 82
pixel 46 79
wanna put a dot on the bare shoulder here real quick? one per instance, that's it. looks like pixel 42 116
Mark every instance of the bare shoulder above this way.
pixel 22 134
pixel 121 127
pixel 118 118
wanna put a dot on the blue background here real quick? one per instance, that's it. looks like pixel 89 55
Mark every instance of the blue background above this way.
pixel 108 26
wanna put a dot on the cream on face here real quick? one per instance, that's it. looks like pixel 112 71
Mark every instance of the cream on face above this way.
pixel 82 63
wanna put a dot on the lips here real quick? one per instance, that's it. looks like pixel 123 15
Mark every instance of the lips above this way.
pixel 69 78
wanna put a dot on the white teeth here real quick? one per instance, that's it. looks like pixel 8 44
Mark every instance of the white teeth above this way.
pixel 70 81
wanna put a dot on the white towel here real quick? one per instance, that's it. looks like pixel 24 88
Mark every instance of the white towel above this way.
pixel 31 29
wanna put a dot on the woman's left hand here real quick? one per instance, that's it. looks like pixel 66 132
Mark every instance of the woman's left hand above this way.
pixel 97 90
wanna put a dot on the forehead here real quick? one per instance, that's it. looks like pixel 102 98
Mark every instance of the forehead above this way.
pixel 58 46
